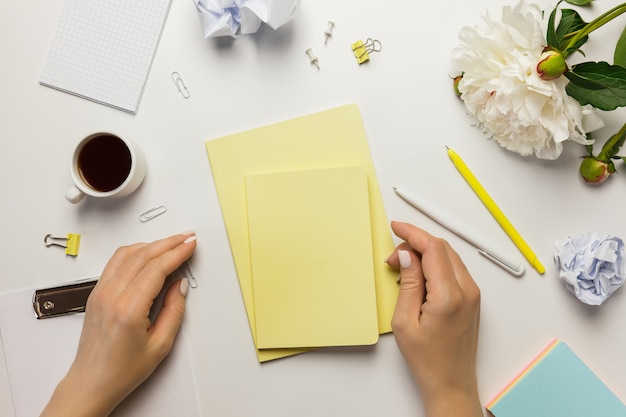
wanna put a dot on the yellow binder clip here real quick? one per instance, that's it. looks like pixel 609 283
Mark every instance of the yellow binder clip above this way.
pixel 72 243
pixel 362 50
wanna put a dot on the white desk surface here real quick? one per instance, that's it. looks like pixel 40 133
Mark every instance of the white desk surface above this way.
pixel 410 113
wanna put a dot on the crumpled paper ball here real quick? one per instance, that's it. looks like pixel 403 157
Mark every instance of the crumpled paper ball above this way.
pixel 591 265
pixel 242 17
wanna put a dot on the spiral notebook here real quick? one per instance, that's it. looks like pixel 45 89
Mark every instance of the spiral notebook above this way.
pixel 103 50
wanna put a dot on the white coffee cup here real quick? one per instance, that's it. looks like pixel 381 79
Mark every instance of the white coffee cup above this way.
pixel 103 165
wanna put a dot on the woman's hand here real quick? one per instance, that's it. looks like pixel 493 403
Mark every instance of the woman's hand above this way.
pixel 435 322
pixel 119 347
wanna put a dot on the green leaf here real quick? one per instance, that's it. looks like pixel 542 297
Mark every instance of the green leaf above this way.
pixel 590 76
pixel 579 2
pixel 583 82
pixel 620 50
pixel 612 146
pixel 551 37
pixel 570 22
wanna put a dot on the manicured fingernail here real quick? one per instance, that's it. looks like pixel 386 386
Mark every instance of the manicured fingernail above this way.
pixel 188 232
pixel 190 239
pixel 184 286
pixel 405 258
pixel 387 259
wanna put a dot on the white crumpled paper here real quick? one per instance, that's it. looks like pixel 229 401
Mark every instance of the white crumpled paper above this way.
pixel 241 17
pixel 591 265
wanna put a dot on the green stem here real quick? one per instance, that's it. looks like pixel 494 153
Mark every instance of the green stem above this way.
pixel 611 147
pixel 593 25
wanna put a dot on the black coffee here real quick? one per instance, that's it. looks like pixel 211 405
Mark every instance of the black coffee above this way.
pixel 104 162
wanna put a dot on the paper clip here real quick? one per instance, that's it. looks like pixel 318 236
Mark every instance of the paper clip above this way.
pixel 362 50
pixel 329 31
pixel 186 271
pixel 312 58
pixel 71 246
pixel 180 85
pixel 152 213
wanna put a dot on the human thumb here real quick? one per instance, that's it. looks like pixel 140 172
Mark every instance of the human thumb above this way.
pixel 412 287
pixel 170 317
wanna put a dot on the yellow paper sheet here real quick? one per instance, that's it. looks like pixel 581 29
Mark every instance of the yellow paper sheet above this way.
pixel 311 258
pixel 327 139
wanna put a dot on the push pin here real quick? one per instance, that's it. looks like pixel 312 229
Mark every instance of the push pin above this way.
pixel 362 50
pixel 312 58
pixel 72 243
pixel 329 31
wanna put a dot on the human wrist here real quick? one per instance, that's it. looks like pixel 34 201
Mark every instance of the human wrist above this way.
pixel 71 398
pixel 459 403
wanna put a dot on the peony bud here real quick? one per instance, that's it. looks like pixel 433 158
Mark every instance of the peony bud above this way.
pixel 596 171
pixel 456 81
pixel 551 64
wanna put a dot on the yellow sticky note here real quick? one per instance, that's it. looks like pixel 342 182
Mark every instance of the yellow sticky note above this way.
pixel 326 139
pixel 311 258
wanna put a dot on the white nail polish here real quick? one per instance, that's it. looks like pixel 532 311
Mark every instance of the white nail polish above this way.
pixel 184 286
pixel 190 239
pixel 405 258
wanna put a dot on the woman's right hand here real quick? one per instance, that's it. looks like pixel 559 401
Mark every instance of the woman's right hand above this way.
pixel 436 322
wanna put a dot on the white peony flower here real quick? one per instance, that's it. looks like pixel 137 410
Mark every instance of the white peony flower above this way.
pixel 503 92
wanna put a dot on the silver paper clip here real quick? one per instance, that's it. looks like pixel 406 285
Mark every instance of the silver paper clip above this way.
pixel 180 85
pixel 186 271
pixel 152 213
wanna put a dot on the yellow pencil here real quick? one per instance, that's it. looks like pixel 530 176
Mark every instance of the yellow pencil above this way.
pixel 495 211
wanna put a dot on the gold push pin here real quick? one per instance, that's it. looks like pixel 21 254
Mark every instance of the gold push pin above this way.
pixel 72 243
pixel 362 50
pixel 329 31
pixel 312 58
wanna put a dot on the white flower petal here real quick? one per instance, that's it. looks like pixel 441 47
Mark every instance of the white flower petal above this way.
pixel 503 93
pixel 591 121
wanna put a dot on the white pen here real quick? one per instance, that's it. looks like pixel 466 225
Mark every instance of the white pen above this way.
pixel 515 267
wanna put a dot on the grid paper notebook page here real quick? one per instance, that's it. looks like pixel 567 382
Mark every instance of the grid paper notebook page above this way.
pixel 102 50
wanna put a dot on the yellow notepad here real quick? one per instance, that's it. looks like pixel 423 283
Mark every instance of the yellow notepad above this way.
pixel 327 139
pixel 311 258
